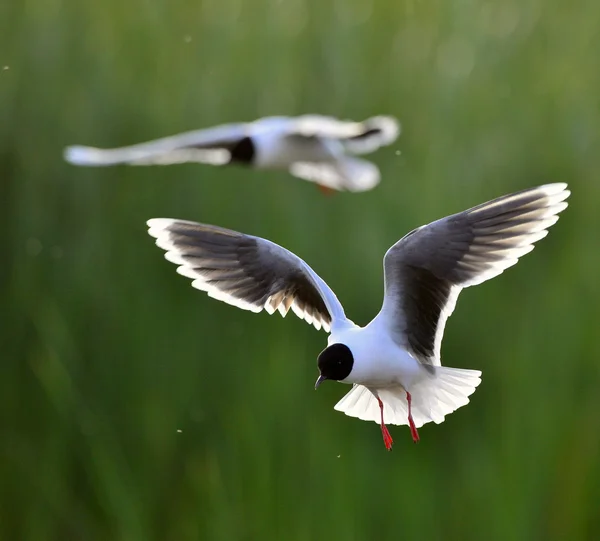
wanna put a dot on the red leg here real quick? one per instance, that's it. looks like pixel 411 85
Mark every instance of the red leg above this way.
pixel 413 428
pixel 325 189
pixel 387 438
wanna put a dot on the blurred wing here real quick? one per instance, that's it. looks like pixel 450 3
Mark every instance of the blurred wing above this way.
pixel 246 271
pixel 376 132
pixel 323 126
pixel 345 174
pixel 371 133
pixel 426 270
pixel 210 146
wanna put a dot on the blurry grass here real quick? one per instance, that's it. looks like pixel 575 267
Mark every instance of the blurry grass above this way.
pixel 107 353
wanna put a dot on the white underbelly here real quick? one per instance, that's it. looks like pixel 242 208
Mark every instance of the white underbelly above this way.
pixel 282 153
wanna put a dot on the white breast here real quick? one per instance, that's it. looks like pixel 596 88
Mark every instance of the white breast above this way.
pixel 278 149
pixel 378 361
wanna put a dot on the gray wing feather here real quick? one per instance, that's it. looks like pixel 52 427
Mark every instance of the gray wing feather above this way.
pixel 426 270
pixel 246 271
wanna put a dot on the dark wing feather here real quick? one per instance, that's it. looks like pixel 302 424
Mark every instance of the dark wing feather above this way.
pixel 426 270
pixel 246 271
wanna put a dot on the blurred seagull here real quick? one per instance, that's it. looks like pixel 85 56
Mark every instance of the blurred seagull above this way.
pixel 312 147
pixel 394 362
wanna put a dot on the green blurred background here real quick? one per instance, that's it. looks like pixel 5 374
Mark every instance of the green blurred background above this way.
pixel 133 407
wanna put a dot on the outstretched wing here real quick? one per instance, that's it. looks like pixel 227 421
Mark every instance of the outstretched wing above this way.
pixel 212 146
pixel 426 270
pixel 375 131
pixel 248 272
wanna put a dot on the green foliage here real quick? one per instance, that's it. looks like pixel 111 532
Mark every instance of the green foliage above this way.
pixel 135 408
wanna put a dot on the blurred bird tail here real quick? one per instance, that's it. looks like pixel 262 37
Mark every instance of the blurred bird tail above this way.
pixel 432 398
pixel 347 173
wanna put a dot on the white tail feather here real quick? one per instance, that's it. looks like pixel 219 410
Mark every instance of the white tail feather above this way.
pixel 433 397
pixel 348 173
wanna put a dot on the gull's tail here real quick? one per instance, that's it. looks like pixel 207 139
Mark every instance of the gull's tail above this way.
pixel 433 397
pixel 346 174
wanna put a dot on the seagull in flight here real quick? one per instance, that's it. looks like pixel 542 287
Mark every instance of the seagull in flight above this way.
pixel 312 147
pixel 393 362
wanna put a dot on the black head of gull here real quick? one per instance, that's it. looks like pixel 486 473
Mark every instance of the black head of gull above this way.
pixel 335 363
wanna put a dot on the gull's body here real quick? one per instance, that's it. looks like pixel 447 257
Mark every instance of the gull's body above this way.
pixel 312 147
pixel 378 361
pixel 394 362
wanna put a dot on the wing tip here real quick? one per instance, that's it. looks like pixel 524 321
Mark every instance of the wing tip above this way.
pixel 79 155
pixel 559 207
pixel 176 258
pixel 159 229
pixel 160 223
pixel 389 127
pixel 554 188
